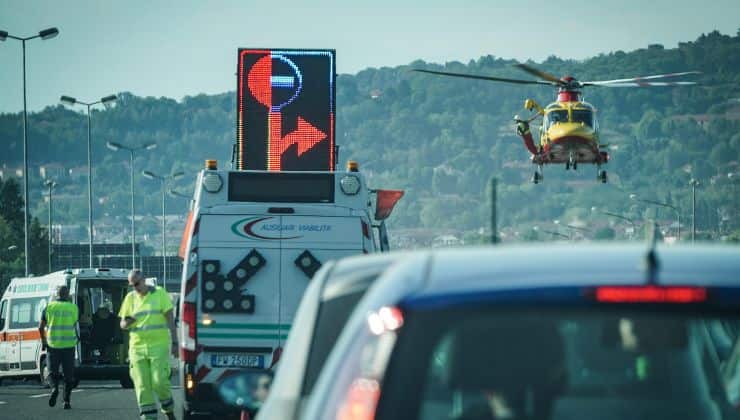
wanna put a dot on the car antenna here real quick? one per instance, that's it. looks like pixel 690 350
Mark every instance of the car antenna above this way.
pixel 652 264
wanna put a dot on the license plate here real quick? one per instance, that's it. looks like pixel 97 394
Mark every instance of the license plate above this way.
pixel 237 360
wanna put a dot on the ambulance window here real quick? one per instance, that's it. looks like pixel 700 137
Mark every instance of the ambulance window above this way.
pixel 3 313
pixel 39 308
pixel 26 313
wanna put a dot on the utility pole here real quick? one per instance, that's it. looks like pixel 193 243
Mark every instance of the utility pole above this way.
pixel 693 184
pixel 494 224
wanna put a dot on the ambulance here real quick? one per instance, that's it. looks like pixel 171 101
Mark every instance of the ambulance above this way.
pixel 101 352
pixel 252 242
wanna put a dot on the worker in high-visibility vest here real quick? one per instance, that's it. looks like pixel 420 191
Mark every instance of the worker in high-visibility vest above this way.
pixel 59 337
pixel 146 313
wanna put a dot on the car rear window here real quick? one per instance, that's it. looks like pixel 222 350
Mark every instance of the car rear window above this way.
pixel 332 316
pixel 560 364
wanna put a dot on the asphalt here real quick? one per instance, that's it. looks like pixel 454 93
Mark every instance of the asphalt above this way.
pixel 25 400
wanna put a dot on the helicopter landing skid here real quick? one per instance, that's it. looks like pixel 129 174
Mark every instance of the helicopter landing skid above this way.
pixel 572 162
pixel 601 174
pixel 537 177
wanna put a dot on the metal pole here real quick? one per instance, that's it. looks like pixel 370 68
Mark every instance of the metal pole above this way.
pixel 89 186
pixel 164 240
pixel 50 244
pixel 693 211
pixel 678 213
pixel 133 225
pixel 25 161
pixel 494 224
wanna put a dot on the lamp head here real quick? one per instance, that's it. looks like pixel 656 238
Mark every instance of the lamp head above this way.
pixel 108 101
pixel 67 100
pixel 49 33
pixel 113 146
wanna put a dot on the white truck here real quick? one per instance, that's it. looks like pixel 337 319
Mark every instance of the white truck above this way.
pixel 252 243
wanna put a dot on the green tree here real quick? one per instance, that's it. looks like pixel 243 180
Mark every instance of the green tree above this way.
pixel 604 234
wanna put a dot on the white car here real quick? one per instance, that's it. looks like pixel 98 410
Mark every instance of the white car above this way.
pixel 327 304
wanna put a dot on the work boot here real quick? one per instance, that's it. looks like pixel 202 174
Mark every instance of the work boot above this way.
pixel 53 397
pixel 67 405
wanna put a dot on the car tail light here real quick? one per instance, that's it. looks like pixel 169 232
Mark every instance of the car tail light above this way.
pixel 388 318
pixel 361 401
pixel 188 339
pixel 651 294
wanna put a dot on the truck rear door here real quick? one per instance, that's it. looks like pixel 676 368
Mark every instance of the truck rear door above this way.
pixel 239 263
pixel 309 242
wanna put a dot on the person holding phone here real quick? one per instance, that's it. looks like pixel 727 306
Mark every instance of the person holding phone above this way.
pixel 146 313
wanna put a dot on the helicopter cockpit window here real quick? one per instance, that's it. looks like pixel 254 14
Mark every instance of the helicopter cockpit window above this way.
pixel 554 117
pixel 585 116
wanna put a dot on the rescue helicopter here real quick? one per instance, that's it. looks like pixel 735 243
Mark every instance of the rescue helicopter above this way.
pixel 569 132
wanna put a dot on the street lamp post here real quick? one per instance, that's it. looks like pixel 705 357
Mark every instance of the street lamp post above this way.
pixel 163 180
pixel 106 101
pixel 618 216
pixel 537 228
pixel 50 185
pixel 116 147
pixel 44 35
pixel 176 193
pixel 571 228
pixel 658 203
pixel 694 183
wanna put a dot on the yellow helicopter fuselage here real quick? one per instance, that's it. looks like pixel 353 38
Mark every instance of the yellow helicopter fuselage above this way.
pixel 569 133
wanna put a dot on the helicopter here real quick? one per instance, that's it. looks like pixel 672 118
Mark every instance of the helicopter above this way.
pixel 569 132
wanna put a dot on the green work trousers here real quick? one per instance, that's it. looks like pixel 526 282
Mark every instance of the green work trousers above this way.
pixel 150 371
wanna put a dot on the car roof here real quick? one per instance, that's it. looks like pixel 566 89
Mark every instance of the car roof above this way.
pixel 491 268
pixel 356 273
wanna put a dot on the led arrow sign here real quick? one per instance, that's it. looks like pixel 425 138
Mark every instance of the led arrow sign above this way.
pixel 285 115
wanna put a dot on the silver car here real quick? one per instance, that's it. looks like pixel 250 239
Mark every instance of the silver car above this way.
pixel 324 309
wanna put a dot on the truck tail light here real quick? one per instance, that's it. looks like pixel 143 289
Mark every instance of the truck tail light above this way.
pixel 188 339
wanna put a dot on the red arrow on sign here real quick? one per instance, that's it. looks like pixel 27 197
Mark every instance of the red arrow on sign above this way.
pixel 306 136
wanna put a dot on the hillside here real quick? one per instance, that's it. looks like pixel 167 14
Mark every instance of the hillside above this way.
pixel 440 139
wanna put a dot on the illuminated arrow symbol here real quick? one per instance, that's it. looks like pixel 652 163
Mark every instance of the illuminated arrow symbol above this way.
pixel 306 136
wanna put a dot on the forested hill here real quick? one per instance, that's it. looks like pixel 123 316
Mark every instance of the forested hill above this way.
pixel 440 139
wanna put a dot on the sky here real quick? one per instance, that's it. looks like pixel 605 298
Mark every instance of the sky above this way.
pixel 175 48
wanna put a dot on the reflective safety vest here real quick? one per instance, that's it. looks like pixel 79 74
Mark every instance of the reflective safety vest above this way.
pixel 150 327
pixel 61 317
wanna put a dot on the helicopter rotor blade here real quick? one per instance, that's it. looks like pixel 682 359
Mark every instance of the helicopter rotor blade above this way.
pixel 539 73
pixel 490 78
pixel 639 81
pixel 640 84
